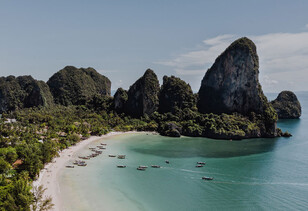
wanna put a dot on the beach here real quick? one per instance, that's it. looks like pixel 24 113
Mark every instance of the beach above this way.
pixel 49 175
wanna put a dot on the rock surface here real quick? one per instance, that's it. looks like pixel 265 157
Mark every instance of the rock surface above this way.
pixel 232 85
pixel 287 105
pixel 143 95
pixel 23 92
pixel 175 94
pixel 170 129
pixel 74 86
pixel 120 99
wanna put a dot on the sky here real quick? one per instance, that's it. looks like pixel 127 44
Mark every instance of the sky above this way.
pixel 121 39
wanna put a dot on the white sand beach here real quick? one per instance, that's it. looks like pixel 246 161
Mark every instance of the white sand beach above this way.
pixel 48 175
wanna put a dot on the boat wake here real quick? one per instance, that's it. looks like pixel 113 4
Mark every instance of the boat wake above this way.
pixel 261 183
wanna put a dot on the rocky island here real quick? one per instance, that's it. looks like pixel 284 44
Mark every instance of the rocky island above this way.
pixel 287 105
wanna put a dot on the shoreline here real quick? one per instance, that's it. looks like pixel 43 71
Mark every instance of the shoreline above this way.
pixel 49 174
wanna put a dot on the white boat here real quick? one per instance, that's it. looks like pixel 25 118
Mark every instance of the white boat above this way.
pixel 141 169
pixel 207 178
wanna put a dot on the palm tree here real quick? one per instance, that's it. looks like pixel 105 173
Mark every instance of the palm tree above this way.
pixel 40 203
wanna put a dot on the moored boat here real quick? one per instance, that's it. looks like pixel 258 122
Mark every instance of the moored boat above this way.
pixel 207 178
pixel 69 166
pixel 112 156
pixel 201 163
pixel 121 156
pixel 79 161
pixel 167 161
pixel 141 169
pixel 121 166
pixel 198 166
pixel 155 166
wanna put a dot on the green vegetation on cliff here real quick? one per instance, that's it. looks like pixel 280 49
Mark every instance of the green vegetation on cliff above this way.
pixel 73 86
pixel 287 105
pixel 143 95
pixel 175 94
pixel 23 92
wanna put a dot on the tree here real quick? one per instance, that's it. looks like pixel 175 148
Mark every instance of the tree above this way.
pixel 39 202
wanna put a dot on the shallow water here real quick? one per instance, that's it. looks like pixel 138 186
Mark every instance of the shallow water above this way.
pixel 255 174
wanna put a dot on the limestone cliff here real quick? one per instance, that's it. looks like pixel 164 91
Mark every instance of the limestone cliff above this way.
pixel 143 95
pixel 232 85
pixel 287 105
pixel 175 94
pixel 23 92
pixel 73 86
pixel 120 99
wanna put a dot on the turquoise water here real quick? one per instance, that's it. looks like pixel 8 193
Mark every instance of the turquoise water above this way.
pixel 255 174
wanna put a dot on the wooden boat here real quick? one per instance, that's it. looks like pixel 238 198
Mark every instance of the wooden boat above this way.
pixel 84 157
pixel 101 147
pixel 82 164
pixel 112 156
pixel 97 151
pixel 207 178
pixel 76 162
pixel 144 167
pixel 92 148
pixel 167 161
pixel 155 166
pixel 141 169
pixel 198 166
pixel 121 166
pixel 121 156
pixel 69 166
pixel 201 163
pixel 103 144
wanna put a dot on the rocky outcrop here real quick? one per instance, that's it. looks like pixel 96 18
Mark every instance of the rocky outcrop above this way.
pixel 287 105
pixel 170 129
pixel 74 86
pixel 175 94
pixel 120 99
pixel 143 95
pixel 23 92
pixel 232 85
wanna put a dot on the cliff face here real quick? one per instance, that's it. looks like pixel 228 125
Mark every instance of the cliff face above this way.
pixel 73 86
pixel 120 99
pixel 175 94
pixel 143 95
pixel 232 85
pixel 287 105
pixel 23 92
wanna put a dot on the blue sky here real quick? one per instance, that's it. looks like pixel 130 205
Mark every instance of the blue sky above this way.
pixel 121 39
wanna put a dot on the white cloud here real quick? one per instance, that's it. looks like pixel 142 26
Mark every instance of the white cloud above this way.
pixel 278 53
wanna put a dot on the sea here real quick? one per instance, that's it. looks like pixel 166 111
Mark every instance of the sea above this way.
pixel 253 174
